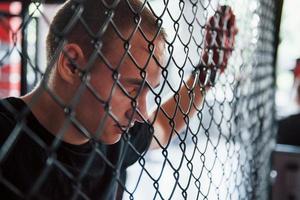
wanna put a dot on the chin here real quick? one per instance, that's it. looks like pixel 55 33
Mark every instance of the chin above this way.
pixel 110 141
pixel 110 134
pixel 110 138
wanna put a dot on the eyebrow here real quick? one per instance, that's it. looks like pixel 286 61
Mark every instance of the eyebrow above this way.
pixel 139 82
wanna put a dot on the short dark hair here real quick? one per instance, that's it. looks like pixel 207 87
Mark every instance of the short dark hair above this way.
pixel 80 22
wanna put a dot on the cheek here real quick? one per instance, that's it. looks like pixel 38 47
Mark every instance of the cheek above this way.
pixel 119 103
pixel 89 107
pixel 102 86
pixel 106 89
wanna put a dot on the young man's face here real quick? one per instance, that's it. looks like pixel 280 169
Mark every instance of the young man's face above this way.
pixel 93 115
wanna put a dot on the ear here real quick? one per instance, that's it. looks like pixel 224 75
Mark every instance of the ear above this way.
pixel 70 59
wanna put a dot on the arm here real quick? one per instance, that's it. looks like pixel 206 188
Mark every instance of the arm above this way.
pixel 217 51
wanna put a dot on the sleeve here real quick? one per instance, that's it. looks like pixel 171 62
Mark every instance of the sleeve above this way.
pixel 140 140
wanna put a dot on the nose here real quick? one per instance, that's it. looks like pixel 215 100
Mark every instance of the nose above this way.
pixel 141 107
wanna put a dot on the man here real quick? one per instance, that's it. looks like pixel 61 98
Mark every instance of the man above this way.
pixel 74 136
pixel 289 127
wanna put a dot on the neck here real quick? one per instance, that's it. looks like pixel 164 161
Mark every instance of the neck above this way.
pixel 51 115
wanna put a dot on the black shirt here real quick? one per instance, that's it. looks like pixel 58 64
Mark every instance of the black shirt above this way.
pixel 35 164
pixel 289 130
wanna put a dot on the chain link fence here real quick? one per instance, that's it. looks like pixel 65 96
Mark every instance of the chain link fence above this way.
pixel 194 79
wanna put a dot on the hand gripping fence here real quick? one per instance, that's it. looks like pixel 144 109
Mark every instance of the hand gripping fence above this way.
pixel 147 99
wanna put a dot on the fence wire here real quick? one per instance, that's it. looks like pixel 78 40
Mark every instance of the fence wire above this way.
pixel 146 99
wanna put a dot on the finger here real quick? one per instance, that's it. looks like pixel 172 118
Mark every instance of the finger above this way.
pixel 212 22
pixel 226 18
pixel 232 26
pixel 222 14
pixel 225 12
pixel 228 21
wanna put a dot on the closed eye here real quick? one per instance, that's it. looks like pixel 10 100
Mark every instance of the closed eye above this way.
pixel 133 92
pixel 137 85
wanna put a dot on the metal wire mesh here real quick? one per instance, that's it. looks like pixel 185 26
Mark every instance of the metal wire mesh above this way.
pixel 217 145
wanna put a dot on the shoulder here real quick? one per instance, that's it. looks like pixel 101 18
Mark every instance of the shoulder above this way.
pixel 9 110
pixel 11 107
pixel 288 130
pixel 295 116
pixel 290 120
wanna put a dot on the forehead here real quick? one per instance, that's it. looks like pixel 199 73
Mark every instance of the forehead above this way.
pixel 138 58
